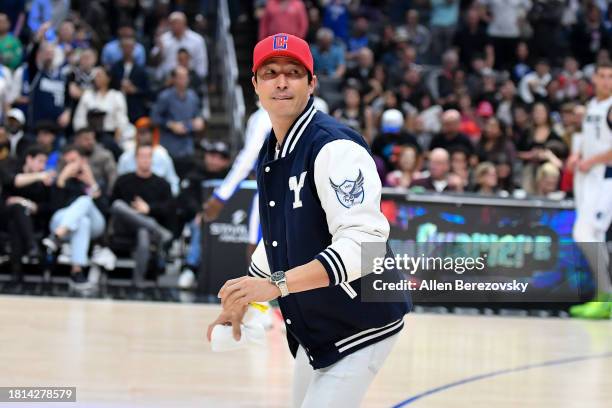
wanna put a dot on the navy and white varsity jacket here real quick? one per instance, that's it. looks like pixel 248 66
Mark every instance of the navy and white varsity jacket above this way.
pixel 320 198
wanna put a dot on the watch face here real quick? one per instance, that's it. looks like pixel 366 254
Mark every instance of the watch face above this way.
pixel 277 276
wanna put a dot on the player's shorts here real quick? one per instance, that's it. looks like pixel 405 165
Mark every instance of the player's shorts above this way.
pixel 254 224
pixel 593 197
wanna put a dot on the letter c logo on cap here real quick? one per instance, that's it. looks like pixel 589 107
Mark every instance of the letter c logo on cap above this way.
pixel 280 42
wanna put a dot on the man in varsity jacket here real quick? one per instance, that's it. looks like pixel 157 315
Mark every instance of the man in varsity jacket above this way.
pixel 319 201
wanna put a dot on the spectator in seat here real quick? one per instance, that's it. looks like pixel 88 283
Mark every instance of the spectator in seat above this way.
pixel 449 135
pixel 506 100
pixel 180 36
pixel 132 80
pixel 328 56
pixel 337 18
pixel 506 18
pixel 522 63
pixel 440 179
pixel 79 205
pixel 360 39
pixel 570 78
pixel 27 207
pixel 284 16
pixel 408 163
pixel 78 80
pixel 547 182
pixel 215 166
pixel 161 166
pixel 392 136
pixel 354 114
pixel 460 165
pixel 493 142
pixel 418 35
pixel 363 72
pixel 141 208
pixel 485 177
pixel 10 46
pixel 589 35
pixel 46 135
pixel 14 124
pixel 113 52
pixel 443 23
pixel 43 83
pixel 534 147
pixel 110 101
pixel 177 112
pixel 101 161
pixel 472 39
pixel 532 87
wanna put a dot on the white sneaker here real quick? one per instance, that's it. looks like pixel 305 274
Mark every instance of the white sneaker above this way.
pixel 104 257
pixel 187 279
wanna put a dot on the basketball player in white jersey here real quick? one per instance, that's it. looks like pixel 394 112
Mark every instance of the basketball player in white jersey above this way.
pixel 257 129
pixel 592 161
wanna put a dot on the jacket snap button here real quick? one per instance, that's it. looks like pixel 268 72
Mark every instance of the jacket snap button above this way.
pixel 274 243
pixel 272 203
pixel 288 321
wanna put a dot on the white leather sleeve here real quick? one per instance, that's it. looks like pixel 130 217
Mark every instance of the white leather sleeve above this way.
pixel 349 189
pixel 259 266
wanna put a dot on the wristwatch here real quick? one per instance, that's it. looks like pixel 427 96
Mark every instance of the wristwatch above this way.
pixel 278 278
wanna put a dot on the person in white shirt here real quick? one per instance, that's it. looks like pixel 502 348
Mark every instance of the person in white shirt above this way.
pixel 111 101
pixel 505 22
pixel 533 85
pixel 180 36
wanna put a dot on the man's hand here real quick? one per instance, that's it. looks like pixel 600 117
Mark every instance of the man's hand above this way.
pixel 141 205
pixel 86 174
pixel 47 177
pixel 572 161
pixel 177 127
pixel 74 90
pixel 212 208
pixel 233 317
pixel 64 119
pixel 127 87
pixel 197 124
pixel 584 165
pixel 246 289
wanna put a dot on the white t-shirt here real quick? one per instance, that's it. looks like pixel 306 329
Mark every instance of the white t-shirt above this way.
pixel 506 15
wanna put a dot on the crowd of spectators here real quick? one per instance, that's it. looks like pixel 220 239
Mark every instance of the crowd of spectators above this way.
pixel 481 96
pixel 103 111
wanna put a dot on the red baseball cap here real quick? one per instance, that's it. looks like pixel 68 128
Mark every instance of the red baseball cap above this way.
pixel 283 45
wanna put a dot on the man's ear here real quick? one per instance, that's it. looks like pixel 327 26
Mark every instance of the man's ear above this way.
pixel 254 82
pixel 313 84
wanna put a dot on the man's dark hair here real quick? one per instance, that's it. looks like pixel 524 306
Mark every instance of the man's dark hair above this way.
pixel 82 130
pixel 603 65
pixel 46 126
pixel 184 50
pixel 35 150
pixel 73 148
pixel 141 145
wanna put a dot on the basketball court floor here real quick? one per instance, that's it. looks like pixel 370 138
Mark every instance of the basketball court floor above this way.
pixel 145 354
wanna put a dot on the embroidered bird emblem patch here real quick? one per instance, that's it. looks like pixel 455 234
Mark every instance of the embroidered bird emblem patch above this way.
pixel 349 192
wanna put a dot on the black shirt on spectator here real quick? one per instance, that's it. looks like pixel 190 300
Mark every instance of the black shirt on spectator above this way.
pixel 154 190
pixel 444 142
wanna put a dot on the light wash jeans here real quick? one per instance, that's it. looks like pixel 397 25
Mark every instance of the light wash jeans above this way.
pixel 195 245
pixel 84 221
